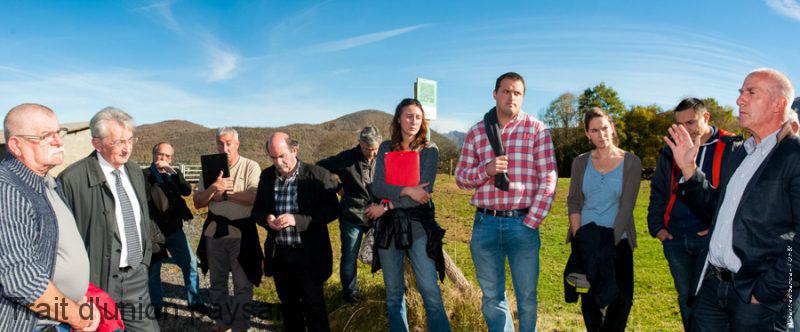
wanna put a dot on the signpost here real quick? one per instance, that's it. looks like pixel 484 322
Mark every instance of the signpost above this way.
pixel 425 92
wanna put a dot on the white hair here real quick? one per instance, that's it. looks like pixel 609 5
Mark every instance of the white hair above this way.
pixel 227 131
pixel 98 125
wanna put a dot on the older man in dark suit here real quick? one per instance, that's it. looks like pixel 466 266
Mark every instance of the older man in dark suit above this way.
pixel 295 202
pixel 106 193
pixel 747 282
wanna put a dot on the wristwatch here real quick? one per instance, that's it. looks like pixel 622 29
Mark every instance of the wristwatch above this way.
pixel 225 196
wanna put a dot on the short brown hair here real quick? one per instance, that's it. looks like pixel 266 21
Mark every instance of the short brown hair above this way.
pixel 511 76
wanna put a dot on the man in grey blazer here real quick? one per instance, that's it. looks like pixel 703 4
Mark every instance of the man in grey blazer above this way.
pixel 106 193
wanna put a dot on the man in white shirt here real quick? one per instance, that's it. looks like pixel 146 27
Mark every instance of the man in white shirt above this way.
pixel 106 193
pixel 747 283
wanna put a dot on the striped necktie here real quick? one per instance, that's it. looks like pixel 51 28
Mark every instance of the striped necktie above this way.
pixel 129 220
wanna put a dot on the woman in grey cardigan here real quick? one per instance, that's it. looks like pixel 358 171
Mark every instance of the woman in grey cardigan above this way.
pixel 603 190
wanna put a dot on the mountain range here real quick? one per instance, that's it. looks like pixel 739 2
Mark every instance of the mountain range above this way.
pixel 317 141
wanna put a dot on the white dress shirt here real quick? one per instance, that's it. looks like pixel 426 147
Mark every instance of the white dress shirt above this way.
pixel 107 168
pixel 720 248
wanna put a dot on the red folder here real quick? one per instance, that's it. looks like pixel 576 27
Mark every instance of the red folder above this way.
pixel 402 168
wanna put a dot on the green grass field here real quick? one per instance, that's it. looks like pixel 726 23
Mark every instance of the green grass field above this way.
pixel 654 307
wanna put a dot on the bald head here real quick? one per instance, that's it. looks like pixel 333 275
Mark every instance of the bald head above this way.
pixel 277 140
pixel 779 86
pixel 33 136
pixel 19 116
pixel 282 150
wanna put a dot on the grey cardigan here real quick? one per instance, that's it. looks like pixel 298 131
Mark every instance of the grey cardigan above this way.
pixel 631 178
pixel 428 159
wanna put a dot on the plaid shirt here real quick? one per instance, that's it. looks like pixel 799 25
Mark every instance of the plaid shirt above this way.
pixel 286 202
pixel 531 168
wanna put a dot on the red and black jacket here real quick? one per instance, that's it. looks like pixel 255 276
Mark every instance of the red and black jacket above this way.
pixel 665 210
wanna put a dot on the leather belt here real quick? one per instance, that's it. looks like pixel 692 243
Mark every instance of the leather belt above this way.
pixel 289 247
pixel 505 214
pixel 721 273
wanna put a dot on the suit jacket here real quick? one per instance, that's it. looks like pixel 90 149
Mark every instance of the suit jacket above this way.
pixel 765 223
pixel 89 196
pixel 317 205
pixel 174 187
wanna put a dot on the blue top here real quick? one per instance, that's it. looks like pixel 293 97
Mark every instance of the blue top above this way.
pixel 602 193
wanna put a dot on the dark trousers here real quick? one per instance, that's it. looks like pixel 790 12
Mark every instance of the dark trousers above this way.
pixel 616 314
pixel 685 256
pixel 302 298
pixel 718 308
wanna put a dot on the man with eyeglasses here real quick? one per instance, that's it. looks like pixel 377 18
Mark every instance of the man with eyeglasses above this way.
pixel 43 265
pixel 107 195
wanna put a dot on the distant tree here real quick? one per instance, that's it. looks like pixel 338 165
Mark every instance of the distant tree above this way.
pixel 645 127
pixel 563 112
pixel 722 116
pixel 564 120
pixel 605 97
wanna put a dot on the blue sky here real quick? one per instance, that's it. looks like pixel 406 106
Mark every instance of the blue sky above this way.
pixel 271 63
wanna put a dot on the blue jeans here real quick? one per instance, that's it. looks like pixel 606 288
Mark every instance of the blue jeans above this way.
pixel 182 255
pixel 350 235
pixel 427 284
pixel 719 308
pixel 494 239
pixel 685 256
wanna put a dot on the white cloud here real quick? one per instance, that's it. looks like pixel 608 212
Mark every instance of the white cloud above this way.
pixel 76 96
pixel 223 62
pixel 343 44
pixel 163 12
pixel 788 8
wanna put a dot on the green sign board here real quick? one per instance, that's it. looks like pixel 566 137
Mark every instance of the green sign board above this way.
pixel 425 92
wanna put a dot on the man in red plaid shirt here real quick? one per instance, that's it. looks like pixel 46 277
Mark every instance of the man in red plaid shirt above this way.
pixel 514 190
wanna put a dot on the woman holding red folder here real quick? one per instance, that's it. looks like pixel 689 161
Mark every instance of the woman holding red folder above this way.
pixel 406 224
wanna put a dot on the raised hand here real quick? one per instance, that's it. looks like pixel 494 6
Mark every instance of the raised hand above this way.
pixel 684 149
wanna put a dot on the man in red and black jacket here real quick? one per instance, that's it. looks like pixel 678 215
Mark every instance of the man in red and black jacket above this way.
pixel 682 233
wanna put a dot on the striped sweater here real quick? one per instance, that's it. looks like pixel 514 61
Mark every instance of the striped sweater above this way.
pixel 28 239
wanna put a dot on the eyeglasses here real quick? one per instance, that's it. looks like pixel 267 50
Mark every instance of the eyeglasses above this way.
pixel 47 137
pixel 121 142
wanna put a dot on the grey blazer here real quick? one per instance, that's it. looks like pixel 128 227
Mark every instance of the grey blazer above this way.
pixel 631 178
